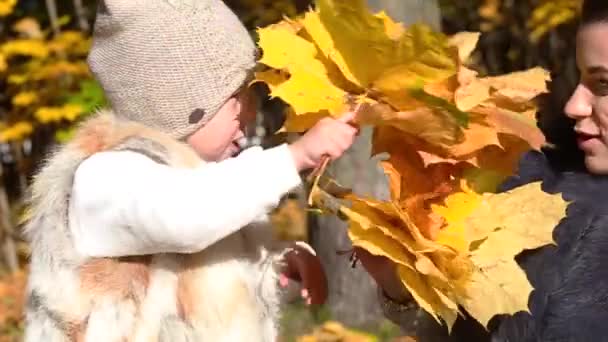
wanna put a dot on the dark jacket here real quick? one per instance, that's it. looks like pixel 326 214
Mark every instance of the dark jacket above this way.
pixel 570 300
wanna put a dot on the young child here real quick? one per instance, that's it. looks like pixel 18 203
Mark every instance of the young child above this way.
pixel 150 225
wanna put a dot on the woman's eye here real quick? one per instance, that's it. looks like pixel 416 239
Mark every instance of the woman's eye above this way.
pixel 600 86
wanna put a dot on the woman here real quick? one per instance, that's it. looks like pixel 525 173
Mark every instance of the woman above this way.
pixel 570 300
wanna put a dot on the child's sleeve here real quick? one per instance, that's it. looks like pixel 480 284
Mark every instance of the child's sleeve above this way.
pixel 124 203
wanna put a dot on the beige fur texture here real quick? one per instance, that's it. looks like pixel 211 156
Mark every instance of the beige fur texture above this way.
pixel 228 292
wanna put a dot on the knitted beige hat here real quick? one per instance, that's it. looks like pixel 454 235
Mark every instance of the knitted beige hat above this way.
pixel 169 64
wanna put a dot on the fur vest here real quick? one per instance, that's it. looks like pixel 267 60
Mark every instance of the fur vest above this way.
pixel 228 292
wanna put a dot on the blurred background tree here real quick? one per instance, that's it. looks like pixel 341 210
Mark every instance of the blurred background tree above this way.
pixel 45 87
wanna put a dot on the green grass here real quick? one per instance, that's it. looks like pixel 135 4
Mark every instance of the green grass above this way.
pixel 298 320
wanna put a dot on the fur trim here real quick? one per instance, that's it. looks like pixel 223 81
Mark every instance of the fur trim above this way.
pixel 225 293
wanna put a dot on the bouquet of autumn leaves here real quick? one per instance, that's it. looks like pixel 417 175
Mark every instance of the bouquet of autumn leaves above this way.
pixel 451 138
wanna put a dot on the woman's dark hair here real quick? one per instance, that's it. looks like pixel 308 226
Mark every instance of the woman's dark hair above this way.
pixel 594 11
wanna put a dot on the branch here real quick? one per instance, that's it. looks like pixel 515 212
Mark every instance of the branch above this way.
pixel 51 8
pixel 81 15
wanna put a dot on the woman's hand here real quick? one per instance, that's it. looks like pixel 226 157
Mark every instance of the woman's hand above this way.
pixel 302 265
pixel 384 272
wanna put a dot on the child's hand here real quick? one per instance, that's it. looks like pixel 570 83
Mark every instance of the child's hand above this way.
pixel 301 264
pixel 329 137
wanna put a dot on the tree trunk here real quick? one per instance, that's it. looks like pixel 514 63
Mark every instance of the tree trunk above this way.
pixel 410 11
pixel 8 247
pixel 352 297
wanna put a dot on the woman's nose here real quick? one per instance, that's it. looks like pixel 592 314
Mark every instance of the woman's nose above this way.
pixel 579 105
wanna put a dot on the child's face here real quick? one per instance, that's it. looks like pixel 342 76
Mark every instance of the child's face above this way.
pixel 218 139
pixel 589 102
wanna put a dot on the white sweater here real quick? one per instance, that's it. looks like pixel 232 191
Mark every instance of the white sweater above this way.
pixel 123 203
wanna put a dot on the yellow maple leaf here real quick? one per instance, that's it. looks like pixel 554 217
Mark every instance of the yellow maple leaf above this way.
pixel 501 104
pixel 319 94
pixel 271 77
pixel 300 123
pixel 518 210
pixel 394 30
pixel 431 124
pixel 375 242
pixel 455 210
pixel 289 49
pixel 519 87
pixel 309 88
pixel 419 273
pixel 428 297
pixel 465 42
pixel 386 217
pixel 341 28
pixel 504 225
pixel 520 124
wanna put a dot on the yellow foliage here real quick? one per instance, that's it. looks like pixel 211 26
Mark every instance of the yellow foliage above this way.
pixel 328 73
pixel 472 263
pixel 28 27
pixel 551 13
pixel 449 134
pixel 340 29
pixel 26 47
pixel 51 85
pixel 16 132
pixel 61 67
pixel 69 112
pixel 505 225
pixel 69 42
pixel 430 124
pixel 25 98
pixel 332 331
pixel 3 64
pixel 409 78
pixel 309 87
pixel 490 12
pixel 290 221
pixel 6 7
pixel 457 207
pixel 466 42
pixel 17 79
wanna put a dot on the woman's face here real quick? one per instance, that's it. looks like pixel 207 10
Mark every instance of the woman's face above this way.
pixel 589 102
